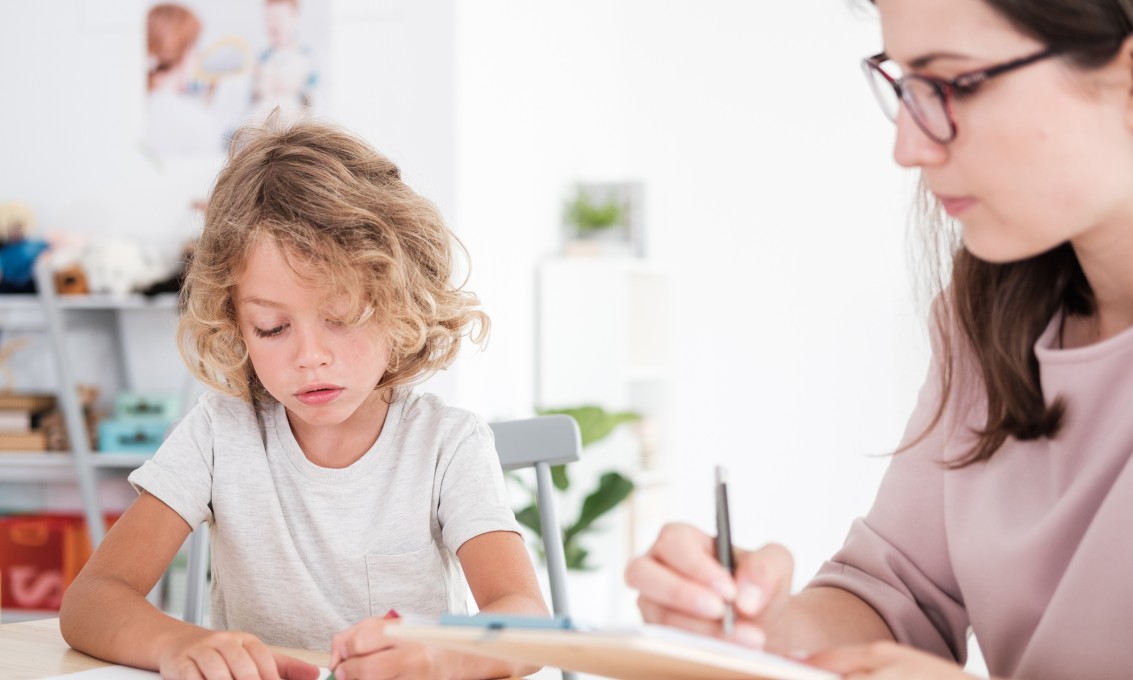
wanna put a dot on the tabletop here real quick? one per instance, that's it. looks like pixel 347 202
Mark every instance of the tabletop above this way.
pixel 35 649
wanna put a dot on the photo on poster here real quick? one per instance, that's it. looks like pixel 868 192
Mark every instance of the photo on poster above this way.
pixel 212 65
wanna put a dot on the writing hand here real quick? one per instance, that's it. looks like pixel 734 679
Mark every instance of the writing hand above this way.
pixel 681 584
pixel 365 651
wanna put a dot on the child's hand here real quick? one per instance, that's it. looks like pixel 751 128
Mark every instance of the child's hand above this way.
pixel 365 651
pixel 222 655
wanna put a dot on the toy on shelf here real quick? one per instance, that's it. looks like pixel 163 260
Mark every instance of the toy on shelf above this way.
pixel 116 265
pixel 18 250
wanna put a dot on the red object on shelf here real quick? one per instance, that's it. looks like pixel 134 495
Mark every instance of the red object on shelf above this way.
pixel 40 555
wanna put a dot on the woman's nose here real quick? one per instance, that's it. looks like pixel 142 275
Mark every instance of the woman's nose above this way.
pixel 913 148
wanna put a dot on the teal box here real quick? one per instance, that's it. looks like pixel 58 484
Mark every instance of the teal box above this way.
pixel 138 406
pixel 131 436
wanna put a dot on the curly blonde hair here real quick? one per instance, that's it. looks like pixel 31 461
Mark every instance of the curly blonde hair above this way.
pixel 348 225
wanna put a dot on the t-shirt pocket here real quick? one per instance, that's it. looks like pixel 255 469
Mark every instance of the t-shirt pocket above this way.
pixel 413 582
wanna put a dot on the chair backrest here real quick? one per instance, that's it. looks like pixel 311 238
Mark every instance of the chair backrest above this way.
pixel 541 442
pixel 538 442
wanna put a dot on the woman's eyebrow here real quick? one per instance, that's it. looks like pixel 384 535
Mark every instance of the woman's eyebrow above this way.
pixel 926 59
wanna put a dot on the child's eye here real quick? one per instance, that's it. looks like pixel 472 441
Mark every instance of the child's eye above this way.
pixel 337 323
pixel 271 332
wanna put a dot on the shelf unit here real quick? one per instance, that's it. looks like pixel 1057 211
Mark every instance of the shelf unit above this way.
pixel 47 313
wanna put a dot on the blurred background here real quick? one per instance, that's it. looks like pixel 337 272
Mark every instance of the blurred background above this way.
pixel 752 305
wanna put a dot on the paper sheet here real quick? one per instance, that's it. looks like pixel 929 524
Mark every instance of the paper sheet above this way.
pixel 128 673
pixel 109 673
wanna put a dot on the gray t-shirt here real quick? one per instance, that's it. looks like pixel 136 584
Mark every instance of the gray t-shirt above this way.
pixel 301 552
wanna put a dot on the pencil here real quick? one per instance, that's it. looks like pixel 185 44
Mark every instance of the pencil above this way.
pixel 724 542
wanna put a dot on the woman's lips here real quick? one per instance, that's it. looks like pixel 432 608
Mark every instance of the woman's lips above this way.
pixel 954 205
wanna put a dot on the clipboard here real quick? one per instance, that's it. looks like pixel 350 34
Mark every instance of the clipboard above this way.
pixel 645 652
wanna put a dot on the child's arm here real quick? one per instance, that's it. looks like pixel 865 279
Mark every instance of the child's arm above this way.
pixel 105 612
pixel 501 577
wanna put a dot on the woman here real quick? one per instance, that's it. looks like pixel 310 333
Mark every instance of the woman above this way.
pixel 1004 510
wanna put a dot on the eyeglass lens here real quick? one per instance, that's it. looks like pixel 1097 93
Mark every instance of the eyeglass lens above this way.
pixel 925 101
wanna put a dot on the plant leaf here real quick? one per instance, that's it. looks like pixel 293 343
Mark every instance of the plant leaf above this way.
pixel 613 488
pixel 594 422
pixel 559 476
pixel 575 556
pixel 529 517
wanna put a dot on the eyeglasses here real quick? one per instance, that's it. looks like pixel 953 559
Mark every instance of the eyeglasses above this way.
pixel 928 99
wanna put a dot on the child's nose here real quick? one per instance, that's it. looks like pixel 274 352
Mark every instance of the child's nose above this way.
pixel 313 350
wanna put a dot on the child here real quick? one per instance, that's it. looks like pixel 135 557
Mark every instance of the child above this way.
pixel 319 292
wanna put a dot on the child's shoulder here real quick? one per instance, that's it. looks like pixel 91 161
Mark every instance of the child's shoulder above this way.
pixel 427 410
pixel 226 408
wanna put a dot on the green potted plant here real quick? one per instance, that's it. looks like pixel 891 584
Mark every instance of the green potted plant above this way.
pixel 594 424
pixel 589 217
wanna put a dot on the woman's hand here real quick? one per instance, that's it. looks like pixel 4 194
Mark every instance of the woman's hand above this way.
pixel 223 655
pixel 364 651
pixel 682 584
pixel 887 660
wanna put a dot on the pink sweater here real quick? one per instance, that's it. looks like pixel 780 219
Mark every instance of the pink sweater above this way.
pixel 1033 549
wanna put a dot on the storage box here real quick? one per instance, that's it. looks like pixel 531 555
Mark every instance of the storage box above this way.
pixel 40 555
pixel 137 406
pixel 131 436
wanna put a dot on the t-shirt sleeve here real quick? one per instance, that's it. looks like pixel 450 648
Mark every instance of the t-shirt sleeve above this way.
pixel 180 473
pixel 473 497
pixel 896 558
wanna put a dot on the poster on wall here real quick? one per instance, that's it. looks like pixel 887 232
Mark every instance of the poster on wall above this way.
pixel 212 65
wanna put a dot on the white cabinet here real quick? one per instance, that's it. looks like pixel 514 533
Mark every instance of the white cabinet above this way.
pixel 604 338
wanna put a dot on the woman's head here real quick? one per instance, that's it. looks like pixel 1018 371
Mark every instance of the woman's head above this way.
pixel 347 227
pixel 1043 153
pixel 1039 172
pixel 171 33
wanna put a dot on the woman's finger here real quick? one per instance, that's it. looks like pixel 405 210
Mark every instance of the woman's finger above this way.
pixel 669 589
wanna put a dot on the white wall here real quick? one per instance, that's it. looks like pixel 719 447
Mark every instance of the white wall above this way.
pixel 771 199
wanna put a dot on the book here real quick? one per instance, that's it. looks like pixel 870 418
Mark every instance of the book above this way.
pixel 645 652
pixel 15 420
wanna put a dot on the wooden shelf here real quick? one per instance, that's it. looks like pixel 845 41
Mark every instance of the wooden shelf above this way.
pixel 62 459
pixel 18 302
pixel 57 467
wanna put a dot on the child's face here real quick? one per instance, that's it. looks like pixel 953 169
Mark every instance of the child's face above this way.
pixel 324 373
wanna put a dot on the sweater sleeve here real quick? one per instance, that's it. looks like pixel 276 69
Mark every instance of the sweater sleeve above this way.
pixel 897 557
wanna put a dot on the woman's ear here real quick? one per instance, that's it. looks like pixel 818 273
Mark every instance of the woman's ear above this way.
pixel 1124 64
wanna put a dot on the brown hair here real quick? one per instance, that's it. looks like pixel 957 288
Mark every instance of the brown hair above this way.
pixel 339 210
pixel 171 30
pixel 999 310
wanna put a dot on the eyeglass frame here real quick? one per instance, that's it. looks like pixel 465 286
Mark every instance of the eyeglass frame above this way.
pixel 945 89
